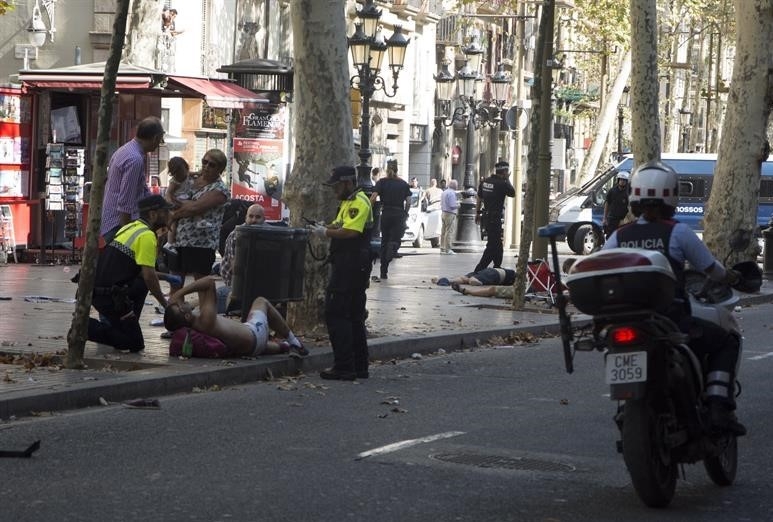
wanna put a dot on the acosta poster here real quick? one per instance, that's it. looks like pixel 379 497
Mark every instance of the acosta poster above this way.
pixel 259 164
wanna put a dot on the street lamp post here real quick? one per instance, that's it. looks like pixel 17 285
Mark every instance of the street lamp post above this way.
pixel 470 84
pixel 685 117
pixel 621 122
pixel 368 47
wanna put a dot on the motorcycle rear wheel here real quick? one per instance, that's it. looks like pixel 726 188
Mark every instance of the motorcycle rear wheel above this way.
pixel 652 469
pixel 723 467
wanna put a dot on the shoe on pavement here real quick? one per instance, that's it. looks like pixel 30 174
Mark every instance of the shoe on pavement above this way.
pixel 451 253
pixel 375 279
pixel 331 374
pixel 298 351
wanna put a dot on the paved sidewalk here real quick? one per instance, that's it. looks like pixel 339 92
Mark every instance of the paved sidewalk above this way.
pixel 407 314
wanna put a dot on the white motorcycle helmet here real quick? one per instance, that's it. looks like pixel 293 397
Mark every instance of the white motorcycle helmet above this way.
pixel 623 175
pixel 654 182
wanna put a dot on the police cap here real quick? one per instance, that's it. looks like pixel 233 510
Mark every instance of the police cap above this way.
pixel 342 173
pixel 154 202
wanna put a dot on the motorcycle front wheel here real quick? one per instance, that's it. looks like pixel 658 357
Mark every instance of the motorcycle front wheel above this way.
pixel 653 470
pixel 722 468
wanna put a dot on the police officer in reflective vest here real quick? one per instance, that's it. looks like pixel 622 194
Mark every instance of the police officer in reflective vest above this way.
pixel 126 271
pixel 350 265
pixel 490 207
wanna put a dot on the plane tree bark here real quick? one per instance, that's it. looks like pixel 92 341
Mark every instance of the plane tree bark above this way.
pixel 735 190
pixel 323 137
pixel 76 336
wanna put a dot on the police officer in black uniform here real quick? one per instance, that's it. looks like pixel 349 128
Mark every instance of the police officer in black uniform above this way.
pixel 616 204
pixel 490 208
pixel 395 195
pixel 350 265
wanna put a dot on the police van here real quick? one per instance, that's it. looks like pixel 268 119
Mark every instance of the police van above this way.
pixel 581 210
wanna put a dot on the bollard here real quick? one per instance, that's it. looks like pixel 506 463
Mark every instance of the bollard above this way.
pixel 767 258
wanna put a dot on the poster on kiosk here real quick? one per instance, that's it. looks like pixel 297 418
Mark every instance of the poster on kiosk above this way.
pixel 259 157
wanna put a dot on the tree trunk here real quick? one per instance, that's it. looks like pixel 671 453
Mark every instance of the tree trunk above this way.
pixel 735 190
pixel 542 80
pixel 644 80
pixel 76 337
pixel 608 115
pixel 323 136
pixel 142 41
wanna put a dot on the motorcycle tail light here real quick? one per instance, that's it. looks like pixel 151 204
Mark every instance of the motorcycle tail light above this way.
pixel 623 335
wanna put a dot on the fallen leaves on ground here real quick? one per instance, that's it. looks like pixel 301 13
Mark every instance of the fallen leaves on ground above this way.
pixel 33 360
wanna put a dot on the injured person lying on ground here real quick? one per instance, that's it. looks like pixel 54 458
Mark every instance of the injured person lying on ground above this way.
pixel 489 282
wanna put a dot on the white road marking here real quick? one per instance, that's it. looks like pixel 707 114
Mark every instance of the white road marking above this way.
pixel 763 356
pixel 389 448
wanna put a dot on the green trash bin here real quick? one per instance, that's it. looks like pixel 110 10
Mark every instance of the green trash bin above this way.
pixel 269 262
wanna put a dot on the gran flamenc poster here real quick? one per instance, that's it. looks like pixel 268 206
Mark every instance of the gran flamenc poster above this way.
pixel 259 160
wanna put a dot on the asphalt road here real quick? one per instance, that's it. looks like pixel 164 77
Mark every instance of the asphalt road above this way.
pixel 515 439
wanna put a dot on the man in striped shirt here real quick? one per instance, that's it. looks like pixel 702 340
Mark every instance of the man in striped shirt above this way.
pixel 126 182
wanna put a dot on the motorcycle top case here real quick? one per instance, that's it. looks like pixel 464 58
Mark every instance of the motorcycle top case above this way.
pixel 621 280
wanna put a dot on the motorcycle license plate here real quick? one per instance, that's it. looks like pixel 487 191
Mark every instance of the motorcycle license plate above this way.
pixel 626 367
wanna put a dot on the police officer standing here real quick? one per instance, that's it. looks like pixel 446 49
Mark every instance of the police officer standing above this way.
pixel 616 204
pixel 350 265
pixel 490 208
pixel 395 196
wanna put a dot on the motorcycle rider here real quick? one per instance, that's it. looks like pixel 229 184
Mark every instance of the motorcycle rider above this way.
pixel 653 199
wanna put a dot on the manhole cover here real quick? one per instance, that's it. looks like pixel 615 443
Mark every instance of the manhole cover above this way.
pixel 500 462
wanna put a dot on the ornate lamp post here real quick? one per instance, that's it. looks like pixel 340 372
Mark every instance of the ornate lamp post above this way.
pixel 685 118
pixel 621 122
pixel 478 113
pixel 368 47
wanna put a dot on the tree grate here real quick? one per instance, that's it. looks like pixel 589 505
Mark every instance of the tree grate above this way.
pixel 500 462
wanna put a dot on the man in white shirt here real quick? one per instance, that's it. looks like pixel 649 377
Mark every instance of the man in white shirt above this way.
pixel 449 204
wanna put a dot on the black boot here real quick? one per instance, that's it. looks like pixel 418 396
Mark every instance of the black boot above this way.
pixel 722 419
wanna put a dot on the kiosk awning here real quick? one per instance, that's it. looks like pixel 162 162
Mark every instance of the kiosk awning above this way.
pixel 218 94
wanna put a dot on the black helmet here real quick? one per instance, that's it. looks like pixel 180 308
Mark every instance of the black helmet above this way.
pixel 751 276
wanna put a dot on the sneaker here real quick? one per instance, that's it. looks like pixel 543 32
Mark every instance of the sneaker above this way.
pixel 298 351
pixel 375 279
pixel 451 252
pixel 167 335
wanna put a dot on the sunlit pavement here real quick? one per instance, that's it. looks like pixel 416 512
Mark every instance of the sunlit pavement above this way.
pixel 407 314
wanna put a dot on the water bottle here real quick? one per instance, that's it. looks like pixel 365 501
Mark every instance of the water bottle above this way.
pixel 187 350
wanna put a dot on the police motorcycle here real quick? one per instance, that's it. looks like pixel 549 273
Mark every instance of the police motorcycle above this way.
pixel 656 378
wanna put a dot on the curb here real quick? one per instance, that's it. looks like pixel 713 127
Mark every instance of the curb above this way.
pixel 172 379
pixel 166 380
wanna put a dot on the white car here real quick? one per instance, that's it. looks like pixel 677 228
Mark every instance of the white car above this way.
pixel 422 224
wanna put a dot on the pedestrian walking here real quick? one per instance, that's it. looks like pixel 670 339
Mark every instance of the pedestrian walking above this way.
pixel 126 271
pixel 350 265
pixel 126 183
pixel 616 204
pixel 492 192
pixel 449 204
pixel 395 196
